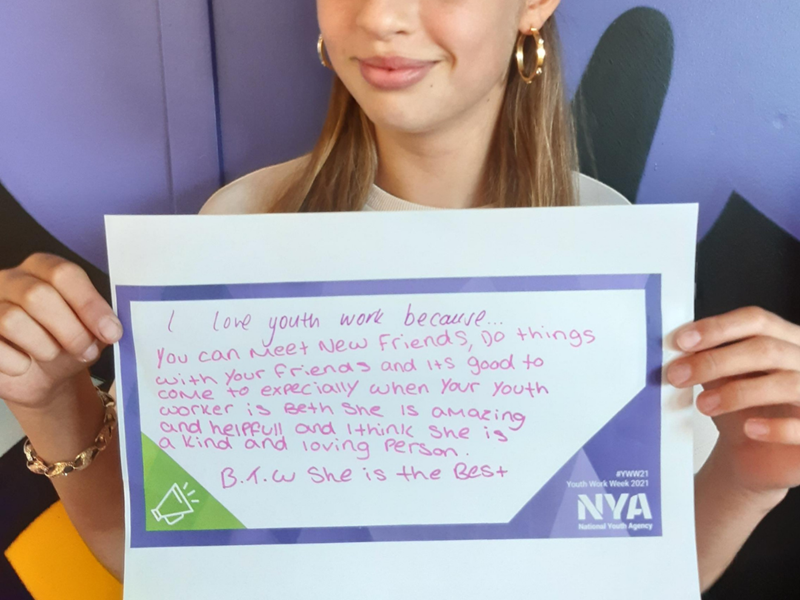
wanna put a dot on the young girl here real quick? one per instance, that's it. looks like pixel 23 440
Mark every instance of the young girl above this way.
pixel 432 107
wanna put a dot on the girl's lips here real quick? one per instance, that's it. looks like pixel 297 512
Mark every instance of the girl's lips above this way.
pixel 393 73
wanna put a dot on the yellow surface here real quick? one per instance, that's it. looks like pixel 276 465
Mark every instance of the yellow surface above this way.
pixel 54 564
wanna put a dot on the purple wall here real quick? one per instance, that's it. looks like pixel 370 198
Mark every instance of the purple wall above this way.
pixel 731 120
pixel 105 108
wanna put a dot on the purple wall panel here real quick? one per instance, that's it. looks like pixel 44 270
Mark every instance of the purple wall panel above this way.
pixel 273 91
pixel 731 120
pixel 91 123
pixel 190 105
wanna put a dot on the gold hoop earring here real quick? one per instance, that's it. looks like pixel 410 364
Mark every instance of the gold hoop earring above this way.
pixel 321 52
pixel 541 53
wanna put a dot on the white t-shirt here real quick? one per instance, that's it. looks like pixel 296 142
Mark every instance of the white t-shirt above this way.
pixel 590 193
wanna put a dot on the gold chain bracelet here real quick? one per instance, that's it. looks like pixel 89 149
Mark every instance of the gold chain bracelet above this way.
pixel 85 458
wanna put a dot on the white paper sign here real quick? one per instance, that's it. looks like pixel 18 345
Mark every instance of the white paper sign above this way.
pixel 450 404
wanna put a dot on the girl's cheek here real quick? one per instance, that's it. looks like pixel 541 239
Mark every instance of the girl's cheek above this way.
pixel 337 18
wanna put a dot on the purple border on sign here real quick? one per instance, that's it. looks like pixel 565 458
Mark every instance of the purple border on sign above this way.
pixel 534 520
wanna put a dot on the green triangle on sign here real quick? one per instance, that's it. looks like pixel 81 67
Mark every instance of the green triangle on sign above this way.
pixel 174 500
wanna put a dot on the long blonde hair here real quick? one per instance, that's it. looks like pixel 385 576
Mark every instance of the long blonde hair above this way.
pixel 531 158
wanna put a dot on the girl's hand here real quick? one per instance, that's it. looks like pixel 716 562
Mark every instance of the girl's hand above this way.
pixel 53 325
pixel 748 362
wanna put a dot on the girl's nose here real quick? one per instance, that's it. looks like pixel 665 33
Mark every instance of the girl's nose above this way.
pixel 386 18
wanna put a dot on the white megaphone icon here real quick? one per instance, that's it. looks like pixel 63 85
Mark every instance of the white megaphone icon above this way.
pixel 174 505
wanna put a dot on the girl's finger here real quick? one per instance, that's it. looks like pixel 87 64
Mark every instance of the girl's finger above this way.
pixel 747 356
pixel 735 325
pixel 774 431
pixel 13 362
pixel 18 327
pixel 44 304
pixel 776 388
pixel 77 289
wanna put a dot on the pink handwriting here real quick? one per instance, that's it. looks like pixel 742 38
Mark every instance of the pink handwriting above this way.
pixel 234 375
pixel 265 443
pixel 246 429
pixel 575 337
pixel 215 410
pixel 338 346
pixel 487 414
pixel 315 428
pixel 490 338
pixel 388 341
pixel 399 389
pixel 445 433
pixel 413 474
pixel 536 363
pixel 378 474
pixel 478 367
pixel 308 389
pixel 289 389
pixel 408 410
pixel 398 367
pixel 447 365
pixel 404 447
pixel 218 356
pixel 505 389
pixel 181 395
pixel 464 472
pixel 357 410
pixel 346 476
pixel 368 430
pixel 170 358
pixel 179 379
pixel 207 443
pixel 439 319
pixel 262 411
pixel 361 449
pixel 301 409
pixel 231 323
pixel 289 322
pixel 362 319
pixel 229 479
pixel 456 387
pixel 268 350
pixel 282 369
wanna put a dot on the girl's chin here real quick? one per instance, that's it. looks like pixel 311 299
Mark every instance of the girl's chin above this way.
pixel 396 116
pixel 402 126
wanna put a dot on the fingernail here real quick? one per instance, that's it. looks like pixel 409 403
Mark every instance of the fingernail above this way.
pixel 110 329
pixel 689 339
pixel 679 373
pixel 756 429
pixel 709 402
pixel 91 353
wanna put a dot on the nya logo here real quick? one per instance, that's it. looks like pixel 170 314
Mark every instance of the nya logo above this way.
pixel 602 504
